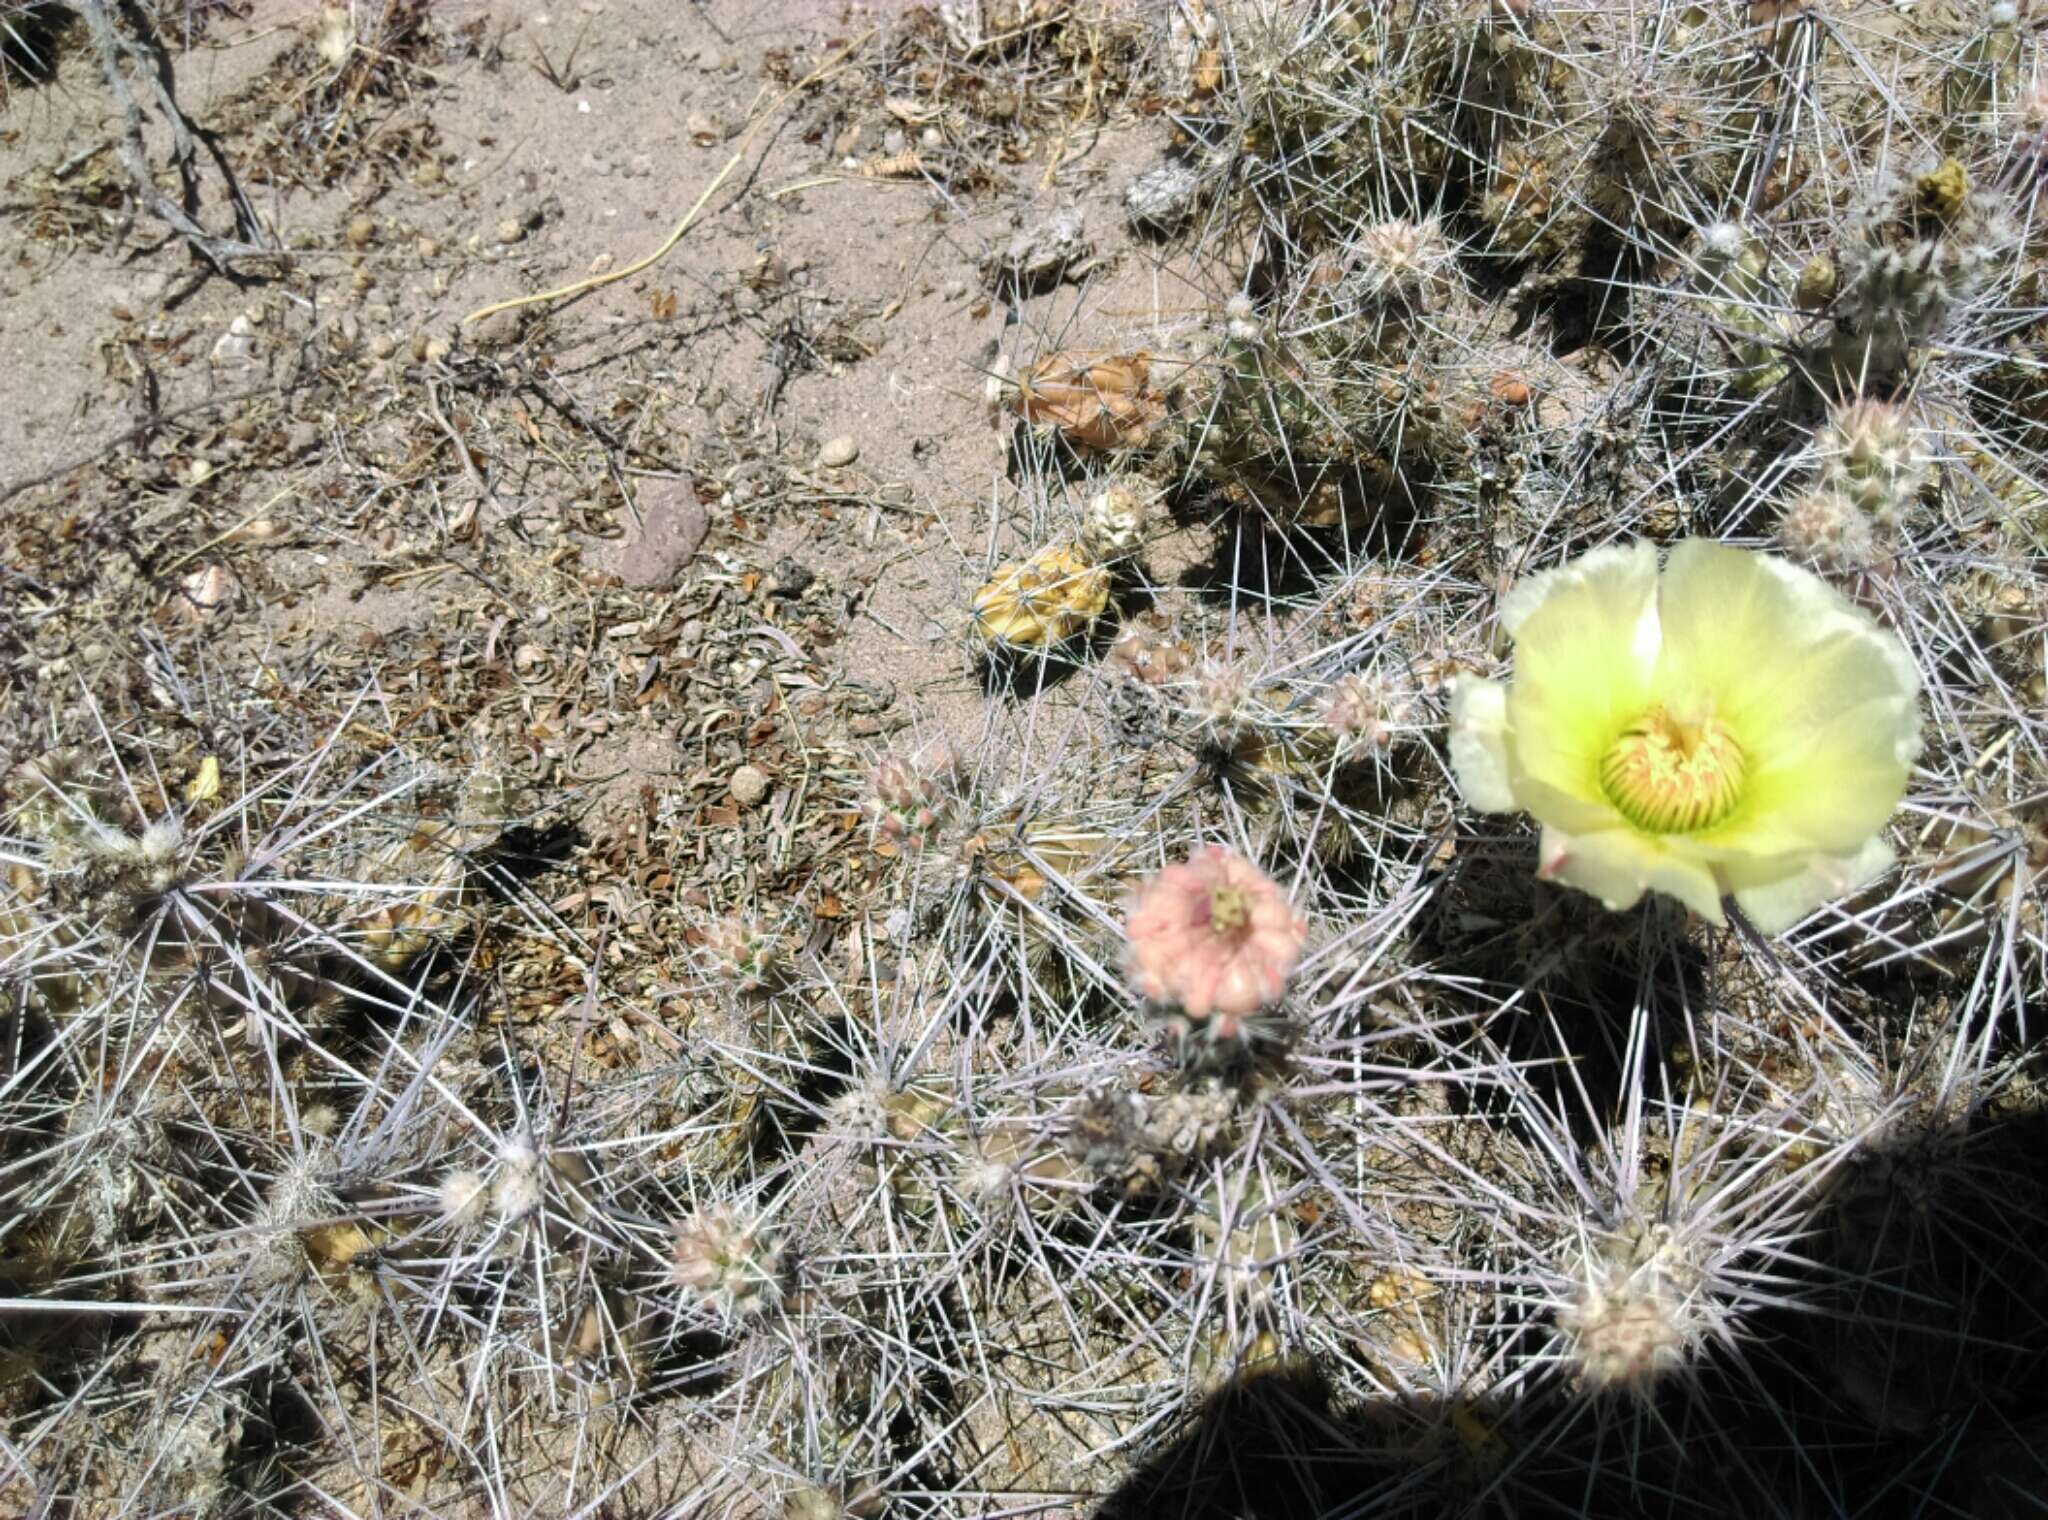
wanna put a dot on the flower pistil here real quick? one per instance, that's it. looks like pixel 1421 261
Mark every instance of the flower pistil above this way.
pixel 1668 776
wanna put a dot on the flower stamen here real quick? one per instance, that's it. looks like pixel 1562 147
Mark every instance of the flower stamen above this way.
pixel 1229 910
pixel 1670 777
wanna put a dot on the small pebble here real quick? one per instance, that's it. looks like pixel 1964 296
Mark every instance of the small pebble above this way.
pixel 749 785
pixel 791 579
pixel 499 330
pixel 510 231
pixel 839 452
pixel 238 345
pixel 362 232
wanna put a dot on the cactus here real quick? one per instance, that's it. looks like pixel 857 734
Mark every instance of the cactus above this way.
pixel 736 1266
pixel 1914 253
pixel 1176 1058
pixel 911 793
pixel 1872 456
pixel 1733 279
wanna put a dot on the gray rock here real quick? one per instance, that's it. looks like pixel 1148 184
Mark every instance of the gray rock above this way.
pixel 499 330
pixel 675 525
pixel 791 579
pixel 239 345
pixel 1043 252
pixel 1164 198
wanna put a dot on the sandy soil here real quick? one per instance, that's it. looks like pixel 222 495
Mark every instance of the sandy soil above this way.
pixel 811 303
pixel 636 572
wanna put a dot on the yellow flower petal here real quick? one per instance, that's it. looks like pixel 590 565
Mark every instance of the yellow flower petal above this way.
pixel 1490 775
pixel 1631 568
pixel 1586 642
pixel 1619 865
pixel 1479 745
pixel 1776 904
pixel 1821 698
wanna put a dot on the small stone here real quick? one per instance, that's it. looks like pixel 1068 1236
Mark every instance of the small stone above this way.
pixel 499 330
pixel 429 248
pixel 839 452
pixel 1043 253
pixel 362 232
pixel 207 591
pixel 1163 199
pixel 510 231
pixel 749 786
pixel 303 438
pixel 792 579
pixel 238 345
pixel 383 346
pixel 674 528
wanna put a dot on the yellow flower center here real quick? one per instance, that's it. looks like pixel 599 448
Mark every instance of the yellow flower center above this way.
pixel 1229 910
pixel 1670 777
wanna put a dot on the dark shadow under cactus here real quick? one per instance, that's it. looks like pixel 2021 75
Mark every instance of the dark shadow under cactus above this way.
pixel 1900 1378
pixel 29 39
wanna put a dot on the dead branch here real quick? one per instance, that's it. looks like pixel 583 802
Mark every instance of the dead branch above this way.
pixel 149 68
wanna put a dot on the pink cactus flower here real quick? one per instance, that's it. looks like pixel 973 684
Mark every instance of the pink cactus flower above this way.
pixel 1215 936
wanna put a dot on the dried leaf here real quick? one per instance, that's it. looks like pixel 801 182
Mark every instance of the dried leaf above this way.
pixel 205 783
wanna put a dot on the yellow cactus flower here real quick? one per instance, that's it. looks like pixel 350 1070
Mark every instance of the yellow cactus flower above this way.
pixel 1733 726
pixel 1044 600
